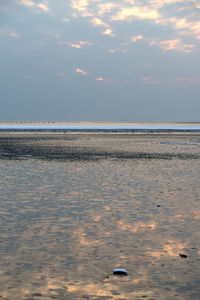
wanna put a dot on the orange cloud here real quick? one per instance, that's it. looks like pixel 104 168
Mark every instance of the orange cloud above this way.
pixel 81 71
pixel 106 7
pixel 127 13
pixel 191 28
pixel 30 3
pixel 128 10
pixel 82 7
pixel 175 44
pixel 97 21
pixel 77 45
pixel 27 2
pixel 180 23
pixel 136 38
pixel 102 79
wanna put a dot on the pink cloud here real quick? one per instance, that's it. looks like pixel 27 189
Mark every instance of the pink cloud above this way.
pixel 102 79
pixel 81 71
pixel 27 3
pixel 175 44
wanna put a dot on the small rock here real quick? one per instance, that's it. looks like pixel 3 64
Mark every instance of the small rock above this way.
pixel 121 272
pixel 182 255
pixel 158 205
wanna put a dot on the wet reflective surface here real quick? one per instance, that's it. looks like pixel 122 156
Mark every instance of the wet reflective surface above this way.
pixel 74 207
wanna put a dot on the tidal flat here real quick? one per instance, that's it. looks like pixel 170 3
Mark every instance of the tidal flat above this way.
pixel 75 206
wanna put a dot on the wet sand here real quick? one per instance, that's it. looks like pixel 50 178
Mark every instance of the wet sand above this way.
pixel 76 206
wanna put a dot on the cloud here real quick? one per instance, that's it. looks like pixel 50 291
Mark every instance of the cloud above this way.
pixel 118 50
pixel 97 21
pixel 179 79
pixel 145 78
pixel 77 45
pixel 66 20
pixel 149 81
pixel 185 80
pixel 102 79
pixel 136 38
pixel 27 3
pixel 108 32
pixel 164 14
pixel 42 6
pixel 175 44
pixel 13 34
pixel 82 7
pixel 81 71
pixel 9 33
pixel 161 3
pixel 128 13
pixel 30 3
pixel 180 23
pixel 106 7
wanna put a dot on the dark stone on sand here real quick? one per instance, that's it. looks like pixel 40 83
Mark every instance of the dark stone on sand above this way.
pixel 158 205
pixel 182 255
pixel 121 272
pixel 36 294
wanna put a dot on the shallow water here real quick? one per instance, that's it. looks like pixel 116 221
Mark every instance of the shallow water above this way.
pixel 76 206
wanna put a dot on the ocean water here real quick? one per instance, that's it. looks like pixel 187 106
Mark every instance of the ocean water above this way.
pixel 73 207
pixel 105 127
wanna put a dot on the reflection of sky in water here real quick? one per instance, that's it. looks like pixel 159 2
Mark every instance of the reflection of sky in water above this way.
pixel 66 225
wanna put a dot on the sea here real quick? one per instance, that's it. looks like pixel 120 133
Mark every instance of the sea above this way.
pixel 77 204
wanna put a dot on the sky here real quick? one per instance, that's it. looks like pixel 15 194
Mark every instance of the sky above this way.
pixel 100 60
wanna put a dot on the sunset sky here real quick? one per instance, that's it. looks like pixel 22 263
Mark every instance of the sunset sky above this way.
pixel 98 60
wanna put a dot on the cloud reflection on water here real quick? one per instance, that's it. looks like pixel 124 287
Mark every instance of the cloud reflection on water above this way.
pixel 66 225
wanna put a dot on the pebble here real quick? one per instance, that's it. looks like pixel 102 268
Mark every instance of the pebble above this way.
pixel 183 255
pixel 120 272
